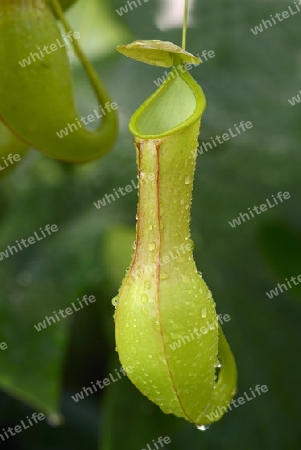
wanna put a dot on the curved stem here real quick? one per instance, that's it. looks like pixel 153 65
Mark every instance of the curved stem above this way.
pixel 185 24
pixel 98 87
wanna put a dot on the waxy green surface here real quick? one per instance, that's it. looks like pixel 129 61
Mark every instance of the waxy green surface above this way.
pixel 163 298
pixel 39 99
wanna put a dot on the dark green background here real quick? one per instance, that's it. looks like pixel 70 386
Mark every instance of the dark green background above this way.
pixel 250 79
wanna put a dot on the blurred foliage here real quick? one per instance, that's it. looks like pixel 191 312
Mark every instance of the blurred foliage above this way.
pixel 250 78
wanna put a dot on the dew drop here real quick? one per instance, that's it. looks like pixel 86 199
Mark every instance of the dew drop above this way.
pixel 217 364
pixel 209 294
pixel 188 179
pixel 144 311
pixel 54 419
pixel 144 298
pixel 147 285
pixel 157 325
pixel 164 276
pixel 202 427
pixel 151 246
pixel 134 244
pixel 150 227
pixel 182 201
pixel 115 301
pixel 185 278
pixel 234 391
pixel 204 313
pixel 130 280
pixel 175 336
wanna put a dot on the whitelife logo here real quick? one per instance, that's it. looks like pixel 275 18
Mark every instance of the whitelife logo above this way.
pixel 184 67
pixel 9 160
pixel 86 119
pixel 242 127
pixel 259 209
pixel 161 440
pixel 12 431
pixel 132 5
pixel 33 57
pixel 10 250
pixel 172 255
pixel 68 311
pixel 128 188
pixel 275 292
pixel 279 16
pixel 101 384
pixel 240 400
pixel 199 332
pixel 295 100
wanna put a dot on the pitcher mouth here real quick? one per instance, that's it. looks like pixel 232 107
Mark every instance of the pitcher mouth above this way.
pixel 176 104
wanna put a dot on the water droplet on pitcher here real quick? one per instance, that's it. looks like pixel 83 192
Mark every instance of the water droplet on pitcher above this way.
pixel 147 285
pixel 209 294
pixel 144 311
pixel 202 427
pixel 151 246
pixel 150 227
pixel 130 280
pixel 54 419
pixel 157 325
pixel 134 245
pixel 175 336
pixel 188 179
pixel 217 364
pixel 185 278
pixel 144 298
pixel 115 301
pixel 204 313
pixel 164 276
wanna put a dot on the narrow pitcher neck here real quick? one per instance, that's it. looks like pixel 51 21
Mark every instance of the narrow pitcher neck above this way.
pixel 166 171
